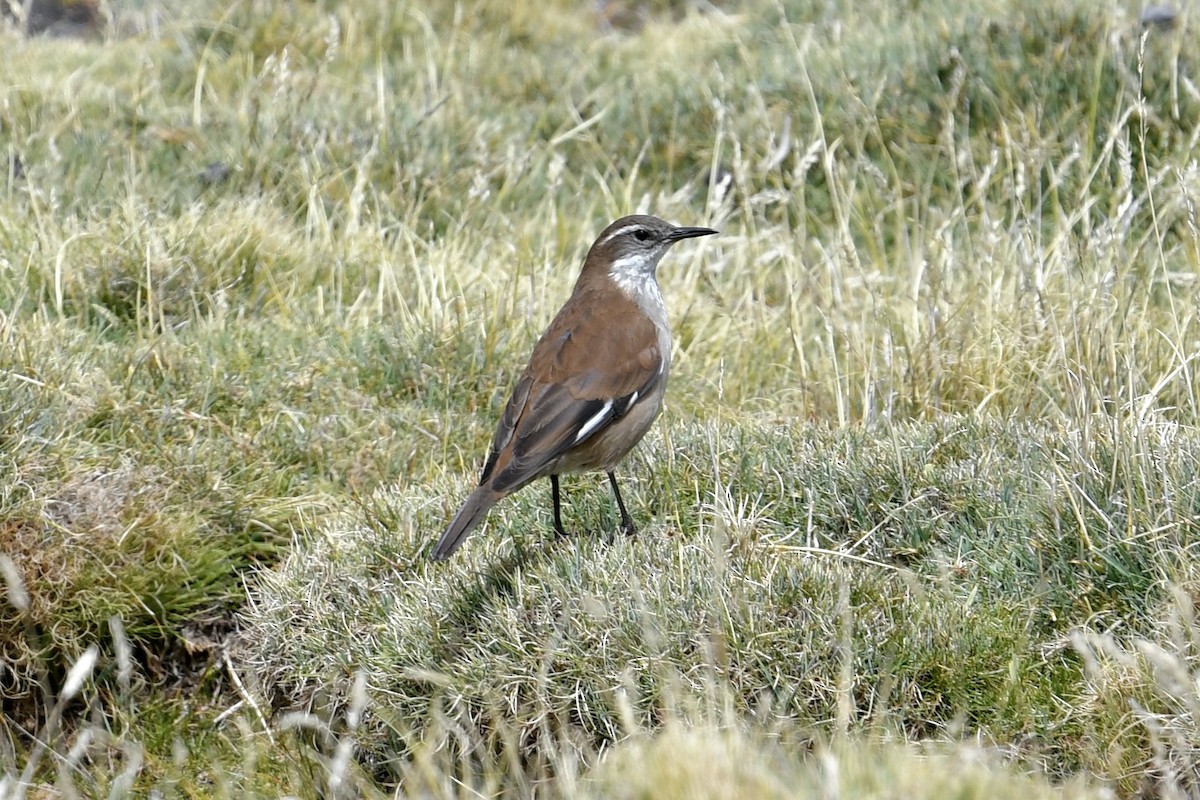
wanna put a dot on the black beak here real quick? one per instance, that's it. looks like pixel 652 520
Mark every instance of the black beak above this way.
pixel 688 233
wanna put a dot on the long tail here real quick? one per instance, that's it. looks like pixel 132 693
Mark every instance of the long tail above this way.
pixel 465 521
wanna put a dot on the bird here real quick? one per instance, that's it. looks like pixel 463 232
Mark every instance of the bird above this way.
pixel 595 380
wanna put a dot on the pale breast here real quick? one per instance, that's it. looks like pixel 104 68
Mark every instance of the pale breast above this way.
pixel 649 299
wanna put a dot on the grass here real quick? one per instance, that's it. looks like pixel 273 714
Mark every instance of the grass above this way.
pixel 844 624
pixel 919 514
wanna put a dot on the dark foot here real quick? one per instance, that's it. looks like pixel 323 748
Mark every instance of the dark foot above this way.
pixel 627 526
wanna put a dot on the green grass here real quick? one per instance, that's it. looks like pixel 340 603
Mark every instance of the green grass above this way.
pixel 932 587
pixel 919 516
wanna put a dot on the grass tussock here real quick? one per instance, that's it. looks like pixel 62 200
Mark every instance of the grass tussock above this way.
pixel 1142 689
pixel 741 764
pixel 840 617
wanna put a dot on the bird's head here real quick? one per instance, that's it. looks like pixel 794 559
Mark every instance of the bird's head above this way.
pixel 629 250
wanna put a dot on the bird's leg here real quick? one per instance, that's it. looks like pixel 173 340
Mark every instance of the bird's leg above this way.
pixel 558 526
pixel 627 526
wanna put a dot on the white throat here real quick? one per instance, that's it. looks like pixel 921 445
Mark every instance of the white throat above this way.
pixel 634 276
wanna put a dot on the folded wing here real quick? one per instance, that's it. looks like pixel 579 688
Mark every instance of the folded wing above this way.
pixel 576 394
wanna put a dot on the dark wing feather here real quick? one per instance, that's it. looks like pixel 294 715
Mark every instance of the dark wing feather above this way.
pixel 546 414
pixel 508 424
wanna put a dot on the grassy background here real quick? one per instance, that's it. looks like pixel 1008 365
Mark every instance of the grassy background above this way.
pixel 920 511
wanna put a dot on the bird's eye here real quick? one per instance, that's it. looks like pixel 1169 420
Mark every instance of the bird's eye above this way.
pixel 642 235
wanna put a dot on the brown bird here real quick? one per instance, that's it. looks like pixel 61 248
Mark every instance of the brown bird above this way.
pixel 595 380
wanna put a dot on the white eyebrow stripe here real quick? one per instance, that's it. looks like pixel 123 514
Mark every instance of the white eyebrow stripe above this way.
pixel 594 422
pixel 633 226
